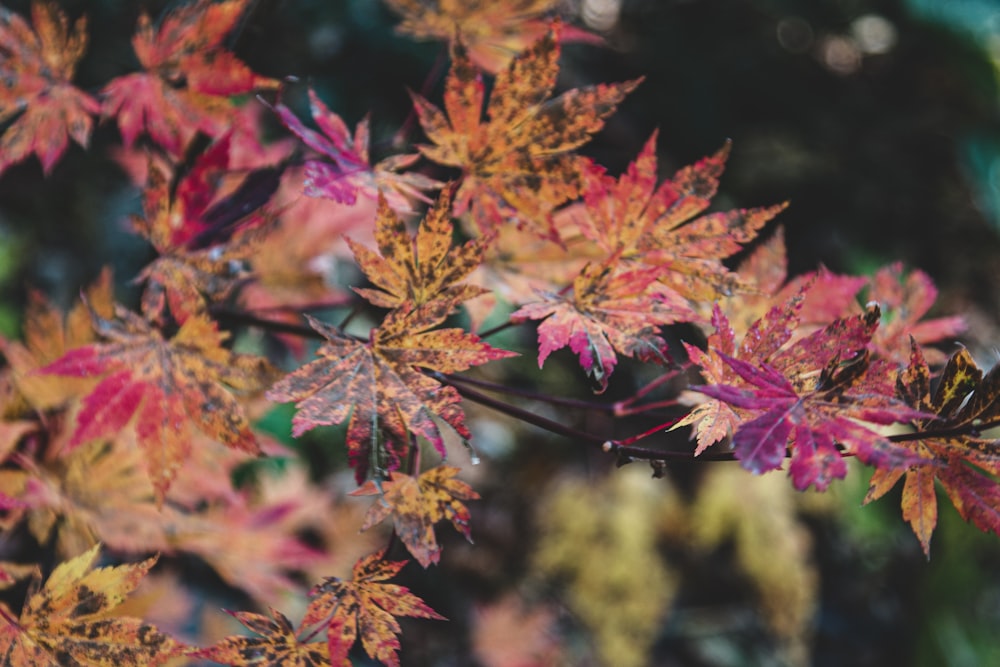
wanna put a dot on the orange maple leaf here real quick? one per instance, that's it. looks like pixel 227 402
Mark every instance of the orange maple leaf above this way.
pixel 493 30
pixel 36 68
pixel 381 385
pixel 48 334
pixel 416 504
pixel 659 225
pixel 160 387
pixel 70 621
pixel 363 607
pixel 98 492
pixel 965 466
pixel 420 270
pixel 189 77
pixel 277 643
pixel 518 163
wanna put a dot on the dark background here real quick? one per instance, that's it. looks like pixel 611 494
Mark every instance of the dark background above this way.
pixel 887 145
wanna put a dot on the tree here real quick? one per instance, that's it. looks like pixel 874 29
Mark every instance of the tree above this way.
pixel 136 427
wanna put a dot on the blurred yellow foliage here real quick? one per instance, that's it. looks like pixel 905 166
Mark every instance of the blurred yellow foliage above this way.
pixel 600 538
pixel 759 515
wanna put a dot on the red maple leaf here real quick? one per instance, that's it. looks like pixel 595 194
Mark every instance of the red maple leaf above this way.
pixel 205 242
pixel 381 385
pixel 188 80
pixel 36 67
pixel 812 396
pixel 905 300
pixel 714 420
pixel 159 388
pixel 828 295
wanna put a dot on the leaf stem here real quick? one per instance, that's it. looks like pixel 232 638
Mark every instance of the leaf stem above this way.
pixel 399 139
pixel 620 411
pixel 623 407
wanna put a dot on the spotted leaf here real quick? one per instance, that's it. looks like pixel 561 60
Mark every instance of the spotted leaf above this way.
pixel 365 608
pixel 70 620
pixel 416 504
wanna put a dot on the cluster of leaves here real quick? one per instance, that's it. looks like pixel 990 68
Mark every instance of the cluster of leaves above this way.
pixel 111 419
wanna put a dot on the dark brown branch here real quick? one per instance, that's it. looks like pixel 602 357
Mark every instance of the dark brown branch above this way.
pixel 531 395
pixel 970 429
pixel 518 413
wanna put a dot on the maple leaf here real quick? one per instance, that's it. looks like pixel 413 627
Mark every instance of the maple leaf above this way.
pixel 277 645
pixel 964 464
pixel 905 301
pixel 828 295
pixel 36 68
pixel 365 608
pixel 252 542
pixel 98 492
pixel 48 334
pixel 714 420
pixel 189 77
pixel 534 625
pixel 160 387
pixel 812 396
pixel 416 504
pixel 609 310
pixel 350 171
pixel 187 277
pixel 420 270
pixel 790 319
pixel 70 620
pixel 380 384
pixel 518 164
pixel 657 226
pixel 493 31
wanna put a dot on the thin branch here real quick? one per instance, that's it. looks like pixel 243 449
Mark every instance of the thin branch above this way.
pixel 243 317
pixel 520 413
pixel 969 429
pixel 529 394
pixel 629 453
pixel 497 329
